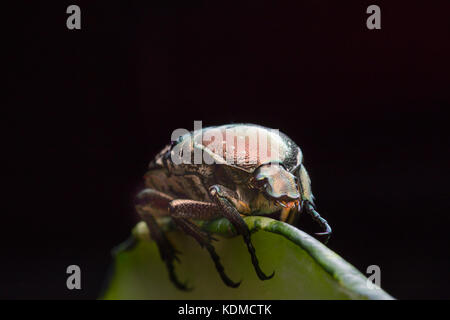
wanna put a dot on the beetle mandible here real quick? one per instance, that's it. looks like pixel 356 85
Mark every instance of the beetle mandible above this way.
pixel 234 184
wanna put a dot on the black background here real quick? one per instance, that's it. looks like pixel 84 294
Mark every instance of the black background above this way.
pixel 89 108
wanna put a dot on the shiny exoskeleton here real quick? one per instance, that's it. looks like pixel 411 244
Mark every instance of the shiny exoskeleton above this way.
pixel 232 183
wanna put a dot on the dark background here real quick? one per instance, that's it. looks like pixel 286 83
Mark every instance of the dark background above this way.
pixel 87 109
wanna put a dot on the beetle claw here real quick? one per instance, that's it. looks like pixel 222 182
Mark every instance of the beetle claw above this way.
pixel 263 276
pixel 173 277
pixel 231 283
pixel 184 287
pixel 326 233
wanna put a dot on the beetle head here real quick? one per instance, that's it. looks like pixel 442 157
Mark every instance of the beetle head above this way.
pixel 277 184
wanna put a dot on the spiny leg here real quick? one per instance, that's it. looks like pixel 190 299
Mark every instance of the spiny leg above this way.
pixel 147 203
pixel 316 216
pixel 219 194
pixel 181 211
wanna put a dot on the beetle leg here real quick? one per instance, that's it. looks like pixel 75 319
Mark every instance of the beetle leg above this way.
pixel 316 216
pixel 147 203
pixel 181 211
pixel 308 202
pixel 219 195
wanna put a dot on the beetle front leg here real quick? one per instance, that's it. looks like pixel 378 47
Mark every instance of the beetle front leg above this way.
pixel 308 202
pixel 316 216
pixel 220 195
pixel 148 203
pixel 181 211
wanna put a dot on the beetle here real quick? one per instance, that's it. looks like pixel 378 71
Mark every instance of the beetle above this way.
pixel 229 182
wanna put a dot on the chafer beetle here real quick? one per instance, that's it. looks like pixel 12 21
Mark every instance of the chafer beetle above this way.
pixel 229 182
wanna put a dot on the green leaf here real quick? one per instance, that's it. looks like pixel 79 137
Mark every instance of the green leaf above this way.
pixel 304 267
